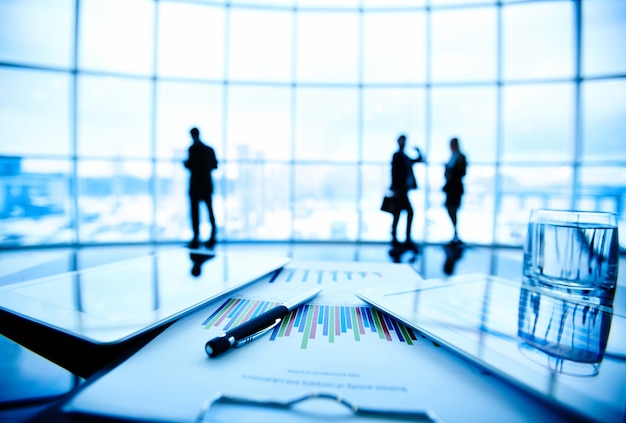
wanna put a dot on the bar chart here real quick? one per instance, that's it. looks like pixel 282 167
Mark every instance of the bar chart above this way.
pixel 324 276
pixel 315 322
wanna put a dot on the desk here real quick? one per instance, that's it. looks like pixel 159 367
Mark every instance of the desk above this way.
pixel 496 389
pixel 30 382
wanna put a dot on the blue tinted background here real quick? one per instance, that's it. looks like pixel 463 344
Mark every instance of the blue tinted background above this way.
pixel 303 102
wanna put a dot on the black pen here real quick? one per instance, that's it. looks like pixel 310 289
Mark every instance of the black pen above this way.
pixel 253 328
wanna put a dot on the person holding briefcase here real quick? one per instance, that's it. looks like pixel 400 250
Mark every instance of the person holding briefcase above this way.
pixel 402 181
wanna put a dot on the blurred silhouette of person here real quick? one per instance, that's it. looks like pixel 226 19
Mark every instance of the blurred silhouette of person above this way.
pixel 454 252
pixel 201 162
pixel 455 170
pixel 402 181
pixel 198 260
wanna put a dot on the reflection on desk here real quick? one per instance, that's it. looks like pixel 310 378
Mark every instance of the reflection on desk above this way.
pixel 566 350
pixel 19 266
pixel 325 347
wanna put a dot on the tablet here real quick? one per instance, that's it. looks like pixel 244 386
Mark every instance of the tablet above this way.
pixel 570 353
pixel 112 303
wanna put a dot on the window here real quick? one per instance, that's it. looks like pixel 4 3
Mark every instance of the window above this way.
pixel 387 113
pixel 530 187
pixel 257 201
pixel 326 123
pixel 538 123
pixel 259 123
pixel 469 114
pixel 37 32
pixel 327 47
pixel 394 47
pixel 303 102
pixel 602 188
pixel 34 113
pixel 325 202
pixel 604 120
pixel 190 40
pixel 603 30
pixel 183 105
pixel 114 201
pixel 117 36
pixel 546 51
pixel 260 45
pixel 114 117
pixel 463 45
pixel 34 205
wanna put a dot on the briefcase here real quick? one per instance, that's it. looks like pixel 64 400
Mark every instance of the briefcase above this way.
pixel 389 204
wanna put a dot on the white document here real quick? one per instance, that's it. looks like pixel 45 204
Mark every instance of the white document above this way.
pixel 335 344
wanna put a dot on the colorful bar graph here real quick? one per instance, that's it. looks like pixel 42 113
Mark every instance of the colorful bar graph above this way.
pixel 316 322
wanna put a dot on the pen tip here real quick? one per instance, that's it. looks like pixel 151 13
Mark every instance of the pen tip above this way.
pixel 217 346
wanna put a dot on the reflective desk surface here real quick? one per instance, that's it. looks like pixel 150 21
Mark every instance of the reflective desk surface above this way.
pixel 31 384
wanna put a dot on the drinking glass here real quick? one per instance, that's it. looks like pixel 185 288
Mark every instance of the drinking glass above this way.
pixel 567 337
pixel 575 253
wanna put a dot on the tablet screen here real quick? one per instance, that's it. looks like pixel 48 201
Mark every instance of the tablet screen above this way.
pixel 111 303
pixel 571 353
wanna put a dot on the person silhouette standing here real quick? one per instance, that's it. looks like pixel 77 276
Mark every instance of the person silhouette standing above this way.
pixel 402 181
pixel 201 162
pixel 455 170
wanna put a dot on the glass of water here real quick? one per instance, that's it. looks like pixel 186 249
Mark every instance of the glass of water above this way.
pixel 575 253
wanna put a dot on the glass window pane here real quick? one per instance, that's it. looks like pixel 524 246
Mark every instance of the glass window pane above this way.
pixel 375 181
pixel 114 117
pixel 317 125
pixel 331 54
pixel 173 220
pixel 114 201
pixel 34 112
pixel 603 188
pixel 326 202
pixel 538 122
pixel 200 29
pixel 464 45
pixel 603 35
pixel 527 188
pixel 259 123
pixel 394 47
pixel 387 113
pixel 260 45
pixel 117 35
pixel 326 124
pixel 604 120
pixel 478 205
pixel 37 32
pixel 182 106
pixel 546 51
pixel 474 217
pixel 35 204
pixel 258 202
pixel 468 113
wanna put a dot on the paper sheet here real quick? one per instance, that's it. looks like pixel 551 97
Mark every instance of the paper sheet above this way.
pixel 335 344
